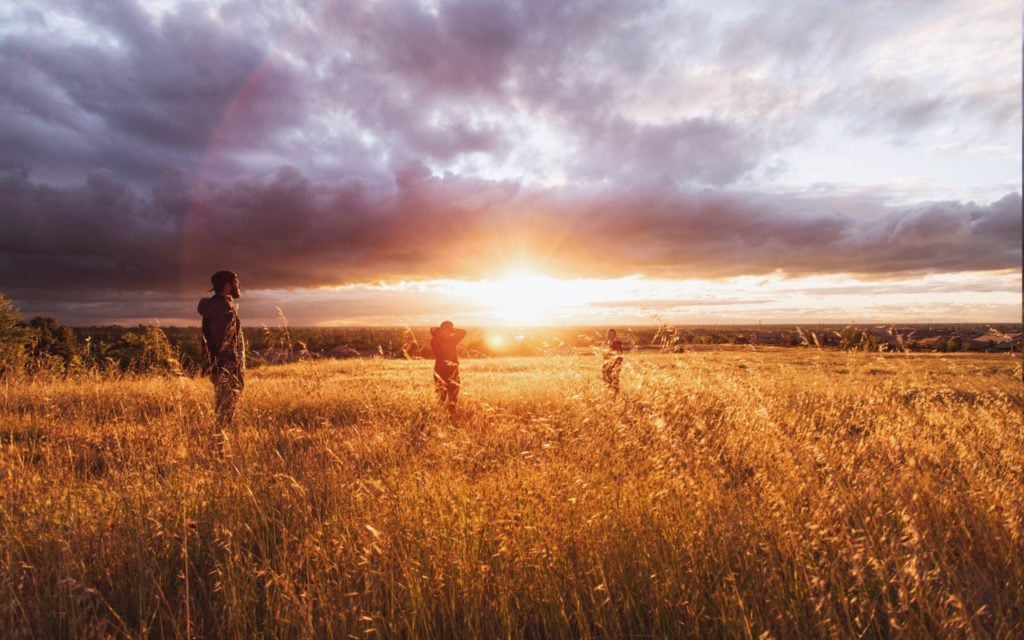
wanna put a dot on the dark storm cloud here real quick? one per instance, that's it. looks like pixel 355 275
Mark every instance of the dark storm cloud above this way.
pixel 286 230
pixel 311 143
pixel 142 98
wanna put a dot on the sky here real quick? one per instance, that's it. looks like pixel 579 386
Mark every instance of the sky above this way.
pixel 379 162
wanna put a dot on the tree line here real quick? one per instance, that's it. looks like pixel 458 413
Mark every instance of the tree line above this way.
pixel 44 346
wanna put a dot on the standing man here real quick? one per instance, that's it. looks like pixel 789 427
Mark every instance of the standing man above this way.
pixel 444 342
pixel 612 361
pixel 223 349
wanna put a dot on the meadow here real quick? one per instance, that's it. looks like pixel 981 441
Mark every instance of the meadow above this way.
pixel 737 493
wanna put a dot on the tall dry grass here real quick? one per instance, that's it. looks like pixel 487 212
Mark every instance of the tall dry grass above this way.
pixel 722 494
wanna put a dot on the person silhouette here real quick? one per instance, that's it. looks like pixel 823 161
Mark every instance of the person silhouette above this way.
pixel 612 361
pixel 444 342
pixel 223 351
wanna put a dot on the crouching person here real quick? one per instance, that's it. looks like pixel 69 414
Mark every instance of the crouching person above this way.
pixel 223 352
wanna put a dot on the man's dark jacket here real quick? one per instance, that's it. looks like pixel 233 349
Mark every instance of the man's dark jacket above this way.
pixel 223 342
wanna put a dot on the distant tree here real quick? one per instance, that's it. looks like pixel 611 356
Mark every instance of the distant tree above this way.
pixel 99 354
pixel 14 339
pixel 146 351
pixel 54 347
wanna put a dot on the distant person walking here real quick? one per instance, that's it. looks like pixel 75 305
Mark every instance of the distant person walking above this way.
pixel 444 342
pixel 223 350
pixel 612 361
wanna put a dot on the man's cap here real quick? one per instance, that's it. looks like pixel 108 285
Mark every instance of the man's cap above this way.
pixel 447 324
pixel 221 278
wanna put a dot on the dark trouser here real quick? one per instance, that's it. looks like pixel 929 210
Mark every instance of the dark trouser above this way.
pixel 610 373
pixel 446 382
pixel 227 385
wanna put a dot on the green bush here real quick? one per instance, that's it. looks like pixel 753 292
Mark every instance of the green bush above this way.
pixel 14 339
pixel 148 351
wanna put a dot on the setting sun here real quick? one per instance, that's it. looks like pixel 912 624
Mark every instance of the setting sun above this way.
pixel 523 297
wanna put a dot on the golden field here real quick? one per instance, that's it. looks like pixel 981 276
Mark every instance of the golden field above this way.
pixel 724 493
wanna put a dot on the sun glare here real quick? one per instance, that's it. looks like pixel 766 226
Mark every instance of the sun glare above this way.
pixel 523 297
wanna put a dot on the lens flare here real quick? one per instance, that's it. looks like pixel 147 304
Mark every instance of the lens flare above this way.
pixel 523 297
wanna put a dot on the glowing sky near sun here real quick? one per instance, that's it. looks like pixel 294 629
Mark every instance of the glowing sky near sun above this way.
pixel 514 162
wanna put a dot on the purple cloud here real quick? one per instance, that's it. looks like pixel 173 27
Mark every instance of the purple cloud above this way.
pixel 287 230
pixel 306 143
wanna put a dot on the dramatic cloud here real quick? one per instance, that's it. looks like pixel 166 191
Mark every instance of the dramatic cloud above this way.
pixel 286 230
pixel 144 145
pixel 587 91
